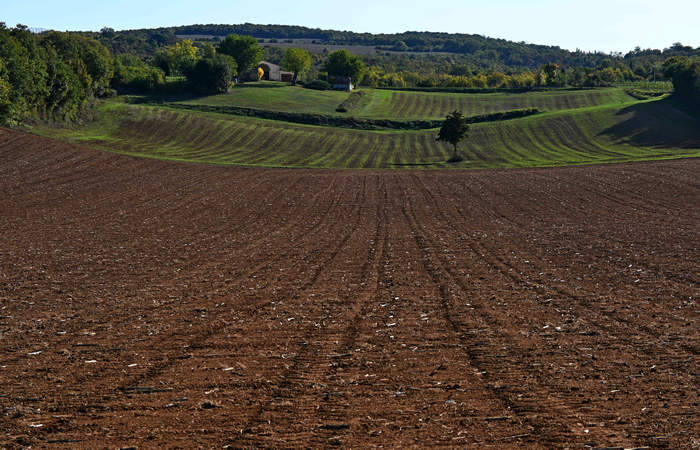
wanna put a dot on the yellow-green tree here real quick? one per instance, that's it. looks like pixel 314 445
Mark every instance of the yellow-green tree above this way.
pixel 296 60
pixel 177 59
pixel 496 79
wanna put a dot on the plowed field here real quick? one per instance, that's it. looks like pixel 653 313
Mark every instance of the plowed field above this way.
pixel 153 304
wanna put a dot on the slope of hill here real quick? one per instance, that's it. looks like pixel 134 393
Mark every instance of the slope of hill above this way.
pixel 633 131
pixel 391 104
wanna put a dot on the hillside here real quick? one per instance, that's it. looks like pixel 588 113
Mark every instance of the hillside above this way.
pixel 604 133
pixel 479 52
pixel 393 104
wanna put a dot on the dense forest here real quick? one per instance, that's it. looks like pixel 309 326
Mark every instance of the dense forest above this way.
pixel 51 76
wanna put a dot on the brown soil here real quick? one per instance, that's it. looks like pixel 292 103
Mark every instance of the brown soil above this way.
pixel 152 304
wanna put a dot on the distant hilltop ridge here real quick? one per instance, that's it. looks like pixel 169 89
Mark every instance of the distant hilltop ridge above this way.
pixel 474 50
pixel 413 40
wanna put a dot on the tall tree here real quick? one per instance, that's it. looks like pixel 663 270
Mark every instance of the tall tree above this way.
pixel 212 75
pixel 685 74
pixel 343 63
pixel 454 129
pixel 244 49
pixel 51 76
pixel 296 60
pixel 177 59
pixel 5 100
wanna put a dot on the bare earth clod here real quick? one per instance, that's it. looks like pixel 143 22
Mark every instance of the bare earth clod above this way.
pixel 153 304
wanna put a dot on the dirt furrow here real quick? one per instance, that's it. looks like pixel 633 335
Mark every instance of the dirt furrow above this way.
pixel 154 304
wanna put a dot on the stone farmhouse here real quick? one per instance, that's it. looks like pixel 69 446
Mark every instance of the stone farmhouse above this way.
pixel 271 72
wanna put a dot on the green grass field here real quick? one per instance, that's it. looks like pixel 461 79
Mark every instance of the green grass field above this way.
pixel 387 104
pixel 615 132
pixel 433 105
pixel 276 97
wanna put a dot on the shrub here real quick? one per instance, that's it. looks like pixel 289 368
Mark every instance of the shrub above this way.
pixel 318 85
pixel 132 73
pixel 212 75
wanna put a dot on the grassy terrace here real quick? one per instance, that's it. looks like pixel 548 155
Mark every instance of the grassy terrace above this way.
pixel 419 105
pixel 385 104
pixel 605 133
pixel 276 97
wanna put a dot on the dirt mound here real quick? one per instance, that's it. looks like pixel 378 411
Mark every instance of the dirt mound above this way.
pixel 144 303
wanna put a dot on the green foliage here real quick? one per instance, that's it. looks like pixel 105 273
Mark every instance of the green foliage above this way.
pixel 298 61
pixel 131 72
pixel 685 74
pixel 454 130
pixel 66 88
pixel 25 73
pixel 319 85
pixel 244 49
pixel 549 75
pixel 478 52
pixel 6 107
pixel 343 63
pixel 207 50
pixel 54 75
pixel 552 74
pixel 90 60
pixel 212 75
pixel 177 59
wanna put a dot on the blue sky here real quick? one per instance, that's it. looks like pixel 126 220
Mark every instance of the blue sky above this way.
pixel 605 25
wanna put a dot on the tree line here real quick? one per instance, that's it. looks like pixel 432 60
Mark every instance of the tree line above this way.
pixel 57 76
pixel 508 53
pixel 486 55
pixel 483 53
pixel 52 76
pixel 684 72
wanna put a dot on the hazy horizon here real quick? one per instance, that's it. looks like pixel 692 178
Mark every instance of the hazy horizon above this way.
pixel 606 26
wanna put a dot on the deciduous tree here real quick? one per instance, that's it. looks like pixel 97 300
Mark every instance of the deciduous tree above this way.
pixel 177 59
pixel 296 60
pixel 343 63
pixel 244 49
pixel 685 74
pixel 454 129
pixel 212 75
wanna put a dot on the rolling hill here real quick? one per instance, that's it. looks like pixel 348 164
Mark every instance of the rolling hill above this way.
pixel 612 130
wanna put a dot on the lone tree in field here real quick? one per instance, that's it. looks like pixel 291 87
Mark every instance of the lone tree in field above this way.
pixel 454 129
pixel 296 60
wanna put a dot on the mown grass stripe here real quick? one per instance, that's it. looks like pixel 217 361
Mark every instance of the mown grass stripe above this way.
pixel 586 135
